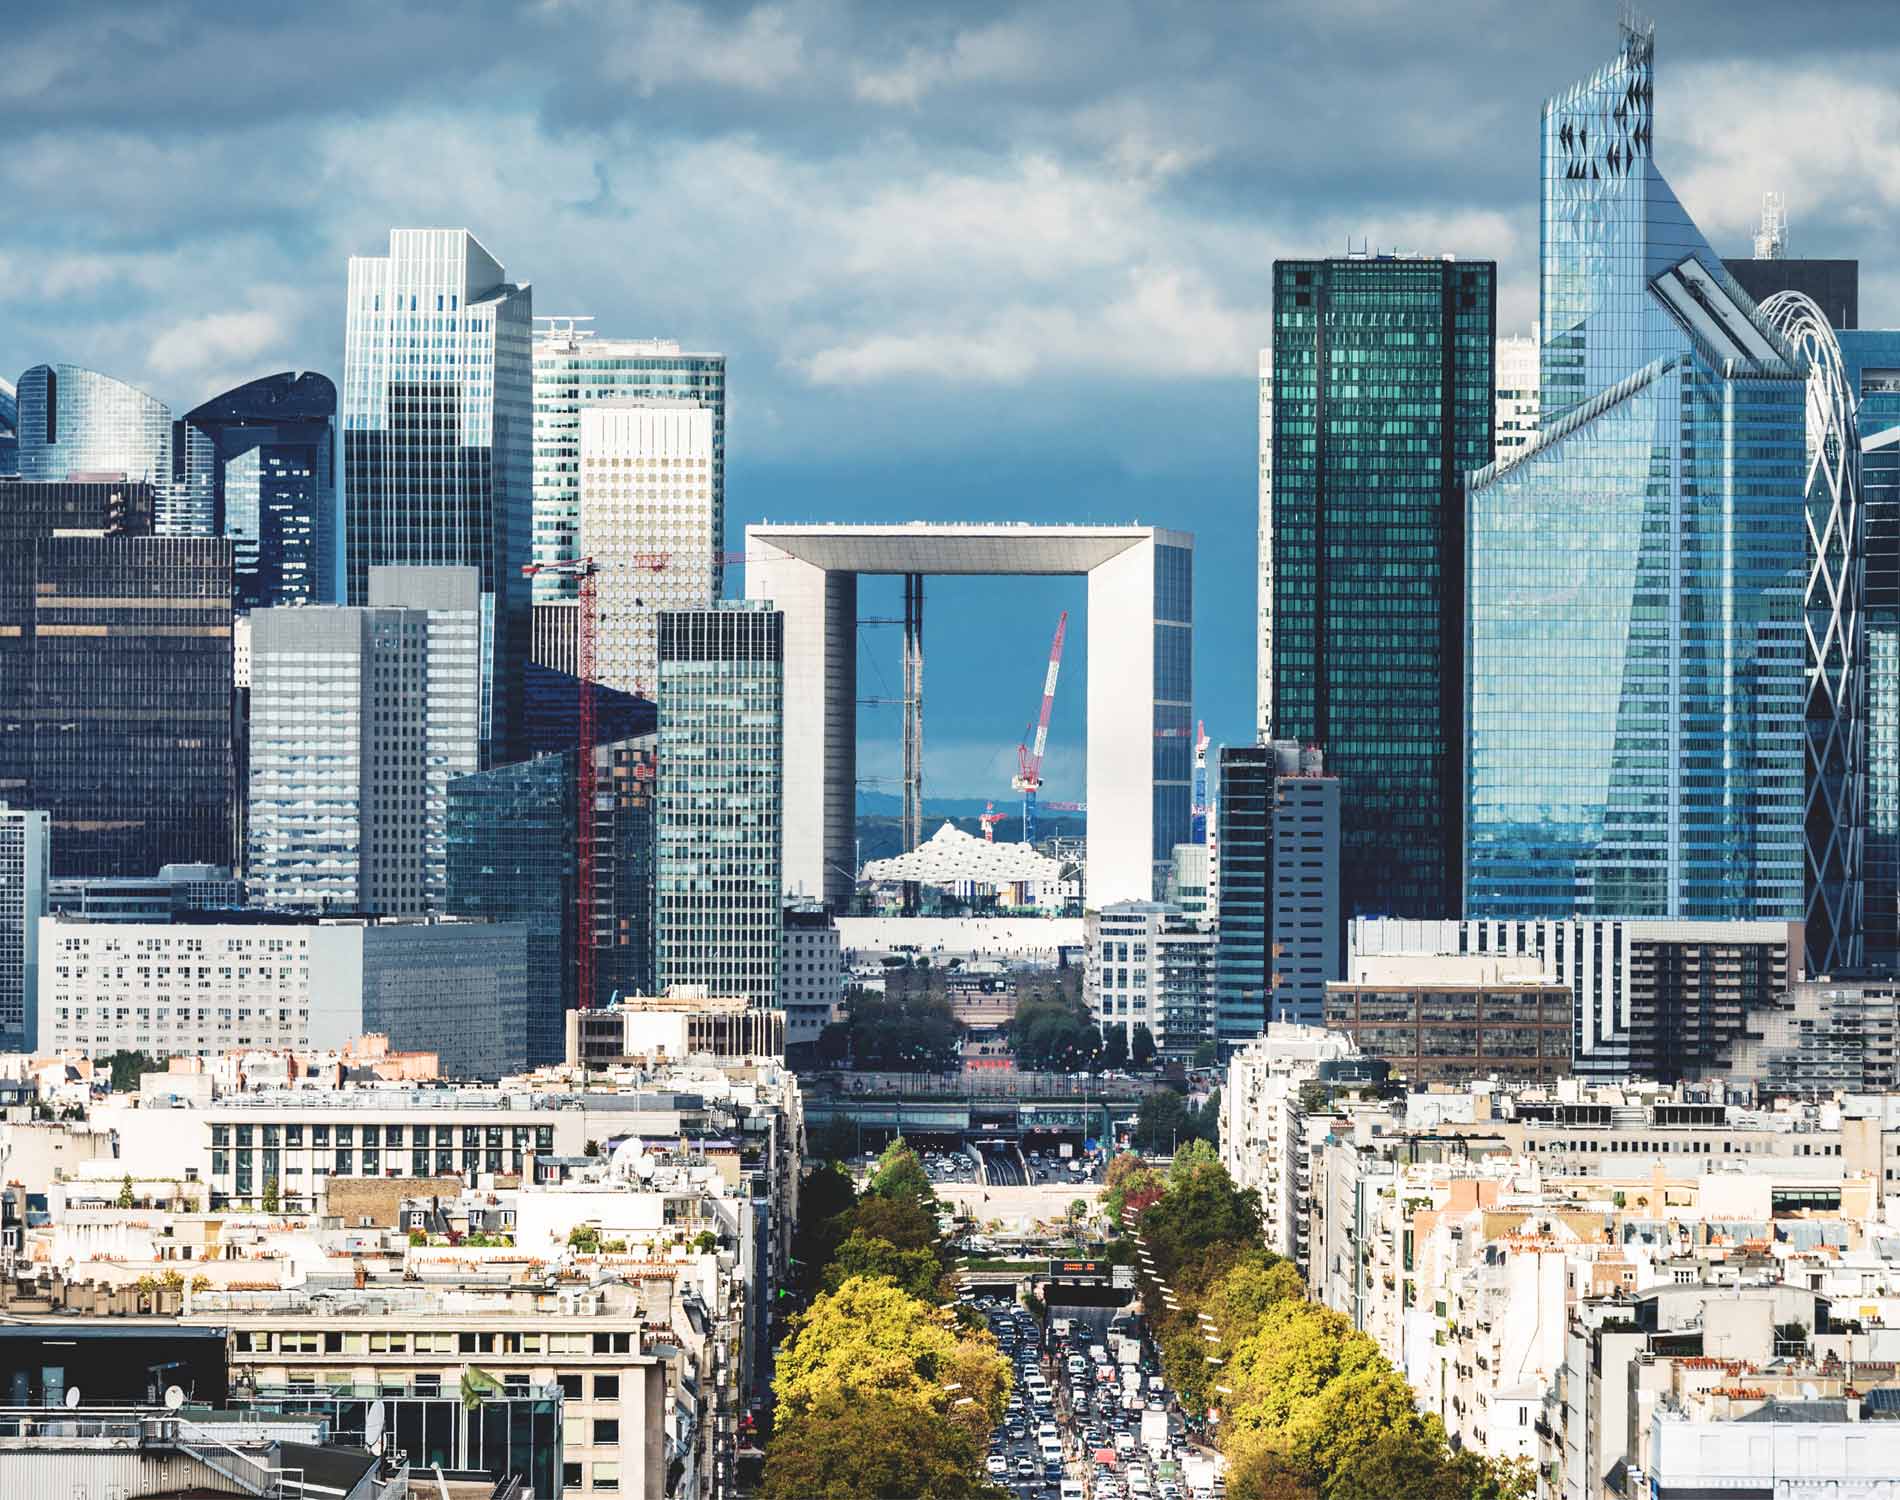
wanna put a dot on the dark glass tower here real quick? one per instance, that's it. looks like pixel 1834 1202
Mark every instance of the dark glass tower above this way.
pixel 1382 397
pixel 1833 284
pixel 115 679
pixel 271 485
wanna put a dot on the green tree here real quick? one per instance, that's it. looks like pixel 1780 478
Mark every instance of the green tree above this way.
pixel 905 1222
pixel 125 1068
pixel 272 1197
pixel 900 1174
pixel 871 1338
pixel 1129 1179
pixel 1206 1054
pixel 871 1448
pixel 1053 1030
pixel 860 1254
pixel 1262 1474
pixel 1142 1051
pixel 835 1140
pixel 1161 1124
pixel 1115 1048
pixel 125 1192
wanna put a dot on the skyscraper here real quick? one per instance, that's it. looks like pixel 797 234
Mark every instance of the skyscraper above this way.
pixel 647 519
pixel 268 476
pixel 360 719
pixel 719 913
pixel 574 369
pixel 24 866
pixel 438 393
pixel 1515 423
pixel 1383 396
pixel 74 421
pixel 1279 933
pixel 1636 668
pixel 9 429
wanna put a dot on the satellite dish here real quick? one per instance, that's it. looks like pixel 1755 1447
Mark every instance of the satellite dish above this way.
pixel 373 1424
pixel 72 1397
pixel 174 1397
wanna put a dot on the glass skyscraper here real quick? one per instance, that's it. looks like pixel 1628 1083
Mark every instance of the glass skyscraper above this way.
pixel 719 816
pixel 573 369
pixel 438 394
pixel 1383 397
pixel 263 455
pixel 1636 664
pixel 74 421
pixel 9 429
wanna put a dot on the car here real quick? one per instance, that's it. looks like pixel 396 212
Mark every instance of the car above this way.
pixel 998 1464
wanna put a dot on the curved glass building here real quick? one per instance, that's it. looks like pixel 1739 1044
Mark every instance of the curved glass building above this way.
pixel 9 429
pixel 1636 668
pixel 269 477
pixel 76 421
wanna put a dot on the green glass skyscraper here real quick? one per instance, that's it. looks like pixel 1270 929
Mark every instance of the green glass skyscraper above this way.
pixel 1381 399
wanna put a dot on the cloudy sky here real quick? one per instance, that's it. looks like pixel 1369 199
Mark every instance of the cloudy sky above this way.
pixel 973 261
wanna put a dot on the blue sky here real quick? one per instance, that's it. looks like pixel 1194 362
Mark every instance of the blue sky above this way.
pixel 973 261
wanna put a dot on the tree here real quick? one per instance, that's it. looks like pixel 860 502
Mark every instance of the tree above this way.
pixel 272 1198
pixel 869 1338
pixel 1053 1030
pixel 905 1222
pixel 914 1271
pixel 1206 1054
pixel 125 1192
pixel 900 1031
pixel 1130 1181
pixel 824 1199
pixel 871 1448
pixel 901 1175
pixel 125 1068
pixel 1142 1052
pixel 1161 1124
pixel 1262 1474
pixel 1115 1048
pixel 835 1140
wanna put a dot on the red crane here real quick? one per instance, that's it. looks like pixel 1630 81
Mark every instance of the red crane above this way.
pixel 585 572
pixel 1028 777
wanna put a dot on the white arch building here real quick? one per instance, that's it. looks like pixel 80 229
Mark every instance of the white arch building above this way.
pixel 1140 678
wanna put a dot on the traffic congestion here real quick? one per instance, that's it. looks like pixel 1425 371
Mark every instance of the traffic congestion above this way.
pixel 1089 1415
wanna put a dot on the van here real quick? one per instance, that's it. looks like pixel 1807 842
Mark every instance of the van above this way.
pixel 1051 1451
pixel 1074 1489
pixel 1046 1433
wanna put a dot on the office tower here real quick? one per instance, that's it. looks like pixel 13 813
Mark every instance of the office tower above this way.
pixel 511 840
pixel 1383 397
pixel 438 393
pixel 9 429
pixel 189 506
pixel 1515 421
pixel 574 369
pixel 360 719
pixel 146 898
pixel 811 972
pixel 1636 667
pixel 1834 285
pixel 76 423
pixel 718 914
pixel 647 519
pixel 1872 371
pixel 1279 930
pixel 25 865
pixel 263 457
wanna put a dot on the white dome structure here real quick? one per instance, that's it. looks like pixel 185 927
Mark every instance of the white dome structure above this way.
pixel 950 857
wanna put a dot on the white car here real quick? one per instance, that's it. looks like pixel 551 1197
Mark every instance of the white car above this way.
pixel 998 1464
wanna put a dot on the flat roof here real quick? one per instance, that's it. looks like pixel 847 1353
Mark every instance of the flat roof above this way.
pixel 994 548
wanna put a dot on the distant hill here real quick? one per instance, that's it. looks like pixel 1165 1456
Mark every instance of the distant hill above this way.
pixel 889 804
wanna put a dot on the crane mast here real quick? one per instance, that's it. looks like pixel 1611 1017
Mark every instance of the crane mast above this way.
pixel 1028 777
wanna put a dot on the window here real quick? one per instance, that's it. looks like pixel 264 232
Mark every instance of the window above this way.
pixel 570 1476
pixel 570 1387
pixel 606 1388
pixel 606 1477
pixel 607 1431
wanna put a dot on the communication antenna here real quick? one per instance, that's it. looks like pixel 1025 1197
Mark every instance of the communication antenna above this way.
pixel 1771 240
pixel 373 1424
pixel 563 328
pixel 174 1397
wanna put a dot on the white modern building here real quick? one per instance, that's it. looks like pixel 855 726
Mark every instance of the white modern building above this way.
pixel 1515 422
pixel 25 855
pixel 1150 965
pixel 455 988
pixel 1140 678
pixel 360 718
pixel 574 369
pixel 647 518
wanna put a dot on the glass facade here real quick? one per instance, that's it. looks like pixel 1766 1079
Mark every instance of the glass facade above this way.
pixel 436 421
pixel 572 370
pixel 74 421
pixel 1635 655
pixel 1174 706
pixel 1383 396
pixel 719 826
pixel 269 479
pixel 9 429
pixel 1243 819
pixel 1872 360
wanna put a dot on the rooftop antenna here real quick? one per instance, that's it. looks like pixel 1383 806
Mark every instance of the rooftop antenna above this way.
pixel 563 328
pixel 1771 240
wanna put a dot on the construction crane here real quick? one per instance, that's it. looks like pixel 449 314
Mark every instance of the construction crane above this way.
pixel 1028 777
pixel 991 817
pixel 585 572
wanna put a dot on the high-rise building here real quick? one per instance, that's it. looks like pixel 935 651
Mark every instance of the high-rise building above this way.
pixel 1834 285
pixel 574 369
pixel 115 679
pixel 719 819
pixel 1279 930
pixel 1383 397
pixel 437 417
pixel 190 505
pixel 1515 420
pixel 360 719
pixel 511 842
pixel 9 429
pixel 25 864
pixel 1636 671
pixel 263 454
pixel 1150 966
pixel 76 423
pixel 810 972
pixel 647 518
pixel 1872 372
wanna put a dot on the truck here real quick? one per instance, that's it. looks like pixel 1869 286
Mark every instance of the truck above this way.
pixel 1127 1350
pixel 1198 1470
pixel 1154 1431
